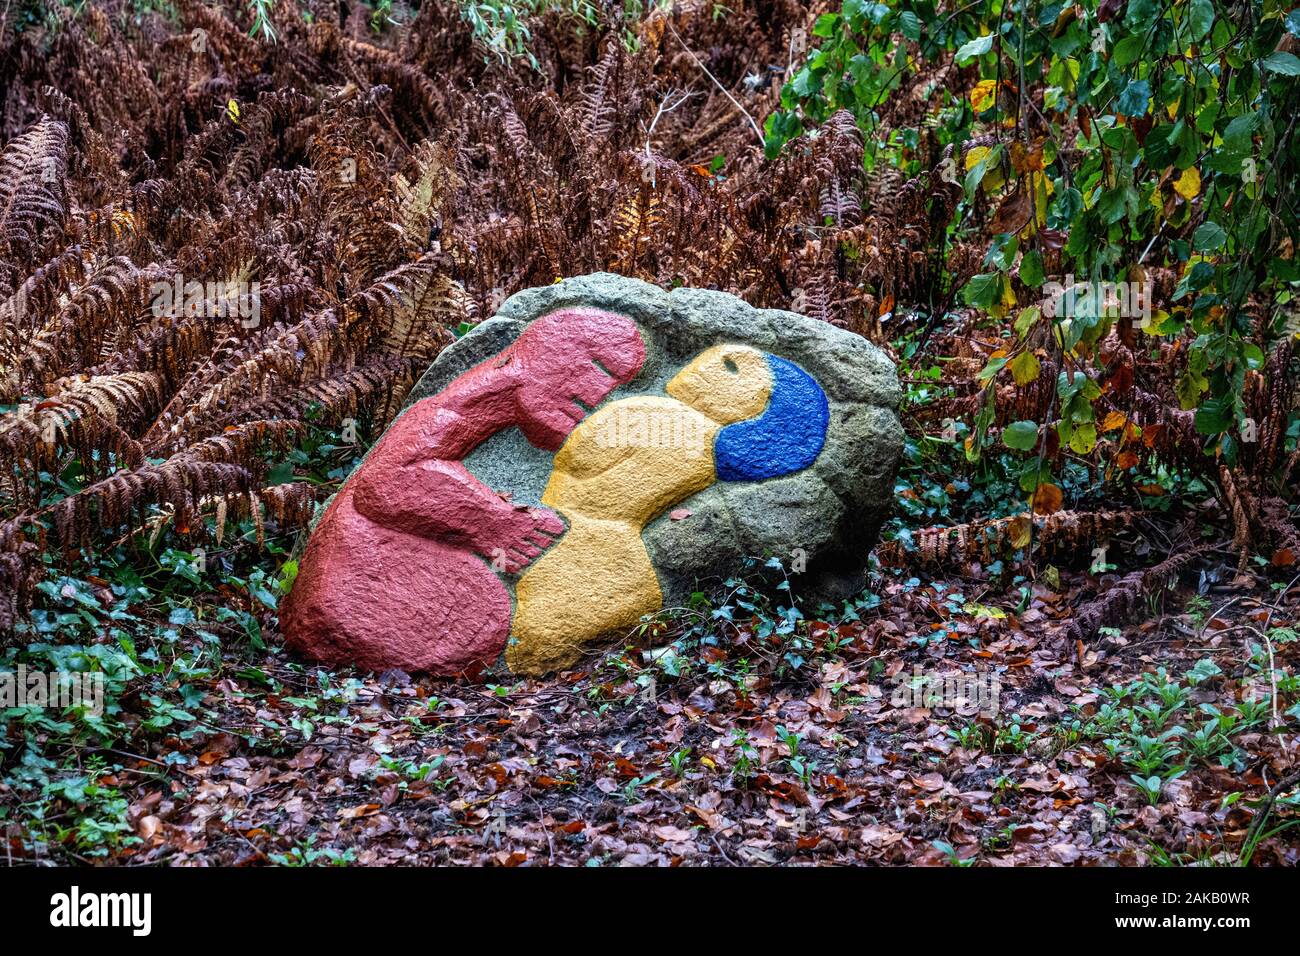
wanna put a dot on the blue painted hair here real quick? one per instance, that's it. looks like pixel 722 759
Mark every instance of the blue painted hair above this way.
pixel 786 438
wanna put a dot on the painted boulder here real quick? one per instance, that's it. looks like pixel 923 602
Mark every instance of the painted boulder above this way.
pixel 595 452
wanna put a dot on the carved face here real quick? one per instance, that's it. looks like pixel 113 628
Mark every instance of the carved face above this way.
pixel 729 383
pixel 568 362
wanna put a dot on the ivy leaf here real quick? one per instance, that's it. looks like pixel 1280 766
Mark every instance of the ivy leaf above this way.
pixel 281 474
pixel 1022 435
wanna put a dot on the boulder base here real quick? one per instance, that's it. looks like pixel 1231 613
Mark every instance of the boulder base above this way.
pixel 595 452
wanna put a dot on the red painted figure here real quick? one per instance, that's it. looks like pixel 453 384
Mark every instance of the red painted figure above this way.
pixel 397 573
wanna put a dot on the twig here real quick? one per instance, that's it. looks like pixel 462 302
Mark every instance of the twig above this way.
pixel 156 763
pixel 725 92
pixel 730 861
pixel 1261 816
pixel 541 821
pixel 663 108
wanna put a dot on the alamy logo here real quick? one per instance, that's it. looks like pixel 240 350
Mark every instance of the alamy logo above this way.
pixel 622 427
pixel 210 300
pixel 75 909
pixel 57 689
pixel 967 694
pixel 1070 298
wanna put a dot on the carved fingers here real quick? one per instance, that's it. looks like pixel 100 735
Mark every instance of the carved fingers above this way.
pixel 533 531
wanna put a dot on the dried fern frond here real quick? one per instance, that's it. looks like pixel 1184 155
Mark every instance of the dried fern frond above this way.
pixel 937 548
pixel 420 203
pixel 32 172
pixel 1120 603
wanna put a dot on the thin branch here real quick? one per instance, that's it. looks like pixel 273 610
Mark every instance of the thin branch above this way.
pixel 725 92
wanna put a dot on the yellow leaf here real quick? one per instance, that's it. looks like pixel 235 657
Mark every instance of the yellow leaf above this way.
pixel 1019 530
pixel 1113 420
pixel 983 95
pixel 976 156
pixel 1008 293
pixel 975 609
pixel 1024 367
pixel 1007 301
pixel 1042 196
pixel 993 179
pixel 232 110
pixel 1084 438
pixel 1189 184
pixel 1158 322
pixel 1019 157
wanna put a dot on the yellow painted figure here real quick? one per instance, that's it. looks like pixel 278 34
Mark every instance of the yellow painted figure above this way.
pixel 620 468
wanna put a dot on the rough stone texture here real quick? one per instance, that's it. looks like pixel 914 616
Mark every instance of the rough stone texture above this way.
pixel 829 511
pixel 406 566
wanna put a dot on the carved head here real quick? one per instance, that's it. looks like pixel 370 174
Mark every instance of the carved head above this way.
pixel 566 363
pixel 729 383
pixel 774 414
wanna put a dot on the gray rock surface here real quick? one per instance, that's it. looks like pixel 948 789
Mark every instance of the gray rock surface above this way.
pixel 830 513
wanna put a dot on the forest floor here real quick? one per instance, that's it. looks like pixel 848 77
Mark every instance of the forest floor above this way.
pixel 732 762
